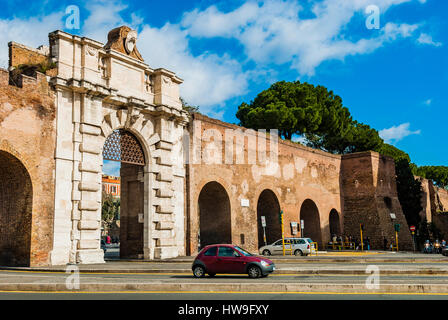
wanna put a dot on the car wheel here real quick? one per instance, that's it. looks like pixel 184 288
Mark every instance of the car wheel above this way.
pixel 254 272
pixel 266 252
pixel 298 252
pixel 212 274
pixel 199 271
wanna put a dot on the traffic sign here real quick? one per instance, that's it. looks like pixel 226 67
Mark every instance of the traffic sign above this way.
pixel 263 221
pixel 412 228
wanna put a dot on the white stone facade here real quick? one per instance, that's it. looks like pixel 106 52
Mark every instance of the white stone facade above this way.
pixel 99 90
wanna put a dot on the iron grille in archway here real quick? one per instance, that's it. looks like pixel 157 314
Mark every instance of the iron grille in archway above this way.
pixel 122 146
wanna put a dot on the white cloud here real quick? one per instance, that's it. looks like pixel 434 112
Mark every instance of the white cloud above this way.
pixel 213 23
pixel 427 39
pixel 427 102
pixel 104 16
pixel 210 78
pixel 32 32
pixel 272 32
pixel 397 133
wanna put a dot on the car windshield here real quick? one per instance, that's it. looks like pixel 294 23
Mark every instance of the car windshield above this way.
pixel 244 252
pixel 309 240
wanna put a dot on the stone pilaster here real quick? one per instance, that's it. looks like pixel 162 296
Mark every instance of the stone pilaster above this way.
pixel 163 227
pixel 88 193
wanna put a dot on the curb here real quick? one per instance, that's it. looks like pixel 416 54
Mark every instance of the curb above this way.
pixel 316 288
pixel 434 272
pixel 310 260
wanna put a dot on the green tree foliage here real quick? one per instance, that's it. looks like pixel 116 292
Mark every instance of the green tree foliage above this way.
pixel 189 108
pixel 393 152
pixel 292 108
pixel 315 112
pixel 438 174
pixel 427 231
pixel 356 137
pixel 409 189
pixel 296 108
pixel 110 210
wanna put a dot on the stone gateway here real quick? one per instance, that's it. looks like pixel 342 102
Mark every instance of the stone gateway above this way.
pixel 186 180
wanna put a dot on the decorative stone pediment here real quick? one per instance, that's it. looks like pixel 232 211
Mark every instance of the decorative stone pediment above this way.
pixel 124 39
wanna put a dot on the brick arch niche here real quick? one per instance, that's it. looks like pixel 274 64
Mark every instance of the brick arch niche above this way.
pixel 214 215
pixel 269 207
pixel 310 215
pixel 335 223
pixel 16 197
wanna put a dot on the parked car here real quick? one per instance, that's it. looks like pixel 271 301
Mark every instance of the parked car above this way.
pixel 300 247
pixel 227 258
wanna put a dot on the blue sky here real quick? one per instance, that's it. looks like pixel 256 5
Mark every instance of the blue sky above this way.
pixel 392 78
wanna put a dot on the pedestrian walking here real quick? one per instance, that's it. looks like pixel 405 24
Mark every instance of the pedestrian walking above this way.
pixel 385 243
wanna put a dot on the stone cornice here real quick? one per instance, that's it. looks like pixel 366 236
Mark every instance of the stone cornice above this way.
pixel 169 74
pixel 80 40
pixel 129 60
pixel 180 116
pixel 110 95
pixel 111 53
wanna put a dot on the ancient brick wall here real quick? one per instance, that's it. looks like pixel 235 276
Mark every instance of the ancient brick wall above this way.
pixel 305 183
pixel 20 54
pixel 435 205
pixel 299 174
pixel 370 196
pixel 27 143
pixel 441 199
pixel 427 199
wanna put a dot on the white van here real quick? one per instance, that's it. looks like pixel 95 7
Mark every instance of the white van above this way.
pixel 300 247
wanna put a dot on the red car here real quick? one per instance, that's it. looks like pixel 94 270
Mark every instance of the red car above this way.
pixel 227 258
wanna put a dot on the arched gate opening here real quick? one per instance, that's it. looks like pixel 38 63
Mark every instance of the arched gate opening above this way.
pixel 16 200
pixel 123 195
